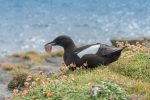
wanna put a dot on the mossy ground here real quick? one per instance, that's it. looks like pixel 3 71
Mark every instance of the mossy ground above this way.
pixel 32 56
pixel 130 73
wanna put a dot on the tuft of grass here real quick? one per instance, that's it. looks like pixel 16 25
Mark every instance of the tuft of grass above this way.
pixel 19 77
pixel 137 66
pixel 10 67
pixel 32 56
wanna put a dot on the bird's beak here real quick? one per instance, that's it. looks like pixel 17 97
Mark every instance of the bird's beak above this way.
pixel 48 46
pixel 50 43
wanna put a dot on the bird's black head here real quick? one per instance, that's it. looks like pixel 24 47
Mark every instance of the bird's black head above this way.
pixel 63 40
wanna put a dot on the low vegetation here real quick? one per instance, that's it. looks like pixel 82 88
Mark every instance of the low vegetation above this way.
pixel 10 67
pixel 19 77
pixel 137 67
pixel 33 57
pixel 127 78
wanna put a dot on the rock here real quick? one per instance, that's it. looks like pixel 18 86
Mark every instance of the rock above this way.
pixel 10 59
pixel 55 60
pixel 14 60
pixel 95 90
pixel 147 42
pixel 131 40
pixel 49 66
pixel 47 69
pixel 147 39
pixel 5 77
pixel 136 97
pixel 4 92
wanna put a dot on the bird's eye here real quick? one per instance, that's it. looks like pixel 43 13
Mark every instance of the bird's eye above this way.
pixel 59 39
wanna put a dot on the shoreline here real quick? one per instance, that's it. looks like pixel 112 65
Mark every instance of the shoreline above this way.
pixel 113 40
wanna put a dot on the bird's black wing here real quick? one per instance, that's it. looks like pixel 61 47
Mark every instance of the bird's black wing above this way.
pixel 104 50
pixel 108 51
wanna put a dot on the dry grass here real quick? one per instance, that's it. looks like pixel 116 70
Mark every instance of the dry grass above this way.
pixel 10 67
pixel 33 57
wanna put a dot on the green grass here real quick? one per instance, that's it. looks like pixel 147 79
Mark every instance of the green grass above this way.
pixel 75 86
pixel 137 67
pixel 119 80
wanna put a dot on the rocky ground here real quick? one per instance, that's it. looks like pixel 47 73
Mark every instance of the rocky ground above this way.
pixel 50 65
pixel 5 77
pixel 132 41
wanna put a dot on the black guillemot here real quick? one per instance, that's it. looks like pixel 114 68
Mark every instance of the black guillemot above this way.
pixel 93 54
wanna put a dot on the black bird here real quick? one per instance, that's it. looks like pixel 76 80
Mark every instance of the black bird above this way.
pixel 93 54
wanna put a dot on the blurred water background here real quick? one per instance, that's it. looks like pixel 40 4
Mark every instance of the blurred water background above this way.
pixel 29 24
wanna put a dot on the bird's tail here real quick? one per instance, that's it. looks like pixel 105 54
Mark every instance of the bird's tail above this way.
pixel 124 47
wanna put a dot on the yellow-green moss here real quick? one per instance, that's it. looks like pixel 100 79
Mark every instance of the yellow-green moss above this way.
pixel 34 57
pixel 10 67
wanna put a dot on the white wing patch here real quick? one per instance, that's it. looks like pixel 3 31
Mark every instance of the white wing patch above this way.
pixel 90 50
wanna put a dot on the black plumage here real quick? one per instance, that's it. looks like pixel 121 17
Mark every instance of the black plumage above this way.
pixel 93 54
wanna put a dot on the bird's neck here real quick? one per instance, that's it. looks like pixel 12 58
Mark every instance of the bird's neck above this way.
pixel 69 48
pixel 68 51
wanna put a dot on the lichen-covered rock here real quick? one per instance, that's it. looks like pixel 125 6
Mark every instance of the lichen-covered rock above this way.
pixel 147 39
pixel 147 42
pixel 54 60
pixel 130 40
pixel 107 91
pixel 47 69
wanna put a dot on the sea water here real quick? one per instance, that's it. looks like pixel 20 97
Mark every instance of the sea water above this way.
pixel 28 24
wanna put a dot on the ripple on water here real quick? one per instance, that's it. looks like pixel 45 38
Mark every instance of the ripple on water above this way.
pixel 29 24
